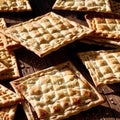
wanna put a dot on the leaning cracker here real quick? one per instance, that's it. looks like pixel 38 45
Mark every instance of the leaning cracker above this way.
pixel 26 106
pixel 6 41
pixel 46 33
pixel 59 92
pixel 103 65
pixel 2 23
pixel 8 97
pixel 9 60
pixel 83 5
pixel 9 43
pixel 2 26
pixel 8 113
pixel 105 25
pixel 14 5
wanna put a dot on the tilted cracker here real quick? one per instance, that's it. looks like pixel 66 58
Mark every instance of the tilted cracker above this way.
pixel 46 33
pixel 103 65
pixel 105 25
pixel 2 26
pixel 58 92
pixel 6 41
pixel 9 60
pixel 8 97
pixel 26 106
pixel 14 5
pixel 83 5
pixel 8 113
pixel 9 43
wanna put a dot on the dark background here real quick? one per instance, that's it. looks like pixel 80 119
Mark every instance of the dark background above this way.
pixel 28 62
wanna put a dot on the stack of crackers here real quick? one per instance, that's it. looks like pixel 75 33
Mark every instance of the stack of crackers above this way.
pixel 104 18
pixel 60 91
pixel 8 63
pixel 8 103
pixel 9 100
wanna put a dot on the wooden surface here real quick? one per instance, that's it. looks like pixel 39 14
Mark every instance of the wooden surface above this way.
pixel 28 63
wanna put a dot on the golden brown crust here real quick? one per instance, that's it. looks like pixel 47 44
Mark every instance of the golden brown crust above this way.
pixel 34 35
pixel 9 60
pixel 14 5
pixel 8 97
pixel 105 25
pixel 83 5
pixel 103 65
pixel 8 113
pixel 61 92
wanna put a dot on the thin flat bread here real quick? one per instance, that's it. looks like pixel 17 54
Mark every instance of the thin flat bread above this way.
pixel 2 23
pixel 8 113
pixel 6 41
pixel 9 60
pixel 59 92
pixel 83 5
pixel 9 43
pixel 2 26
pixel 103 65
pixel 14 5
pixel 105 25
pixel 8 97
pixel 26 106
pixel 46 33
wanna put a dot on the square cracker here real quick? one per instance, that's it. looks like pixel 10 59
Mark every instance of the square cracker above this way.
pixel 83 5
pixel 26 106
pixel 103 65
pixel 58 92
pixel 105 25
pixel 14 5
pixel 8 97
pixel 8 113
pixel 46 33
pixel 8 59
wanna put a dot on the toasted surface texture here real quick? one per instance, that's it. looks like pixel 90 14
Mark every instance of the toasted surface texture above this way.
pixel 9 43
pixel 58 92
pixel 14 5
pixel 83 5
pixel 103 65
pixel 9 60
pixel 105 26
pixel 8 113
pixel 2 25
pixel 46 33
pixel 8 97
